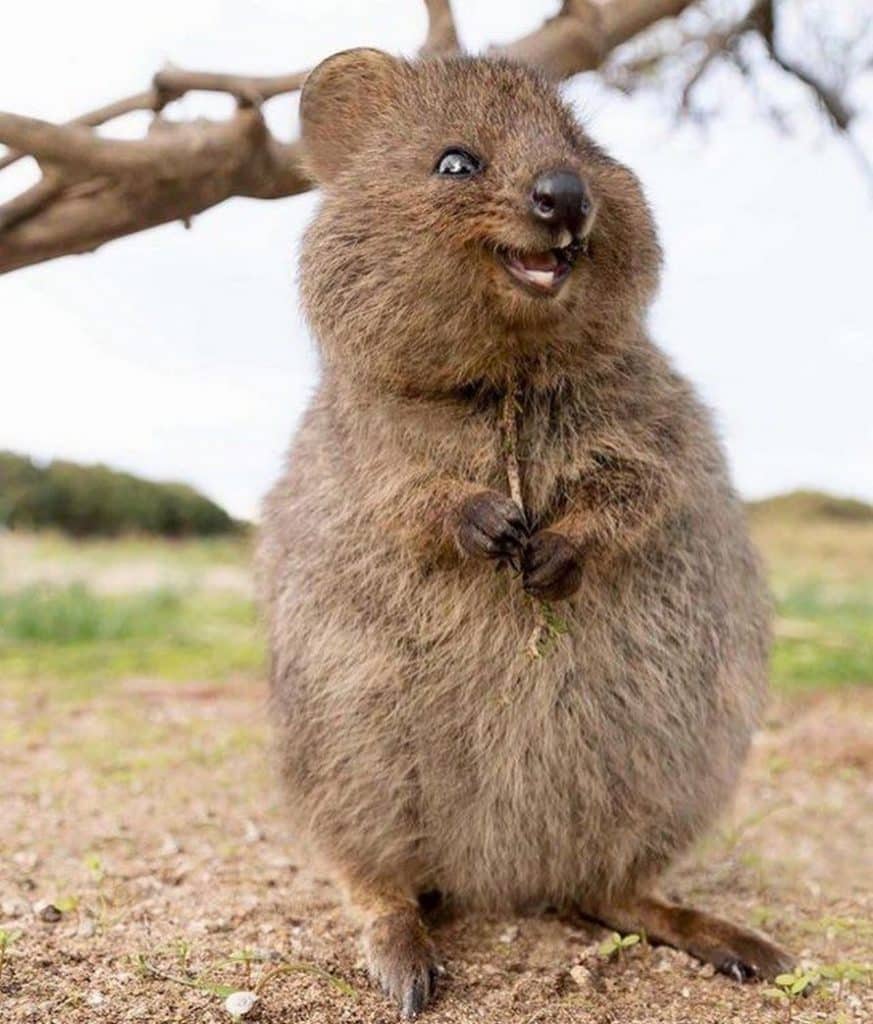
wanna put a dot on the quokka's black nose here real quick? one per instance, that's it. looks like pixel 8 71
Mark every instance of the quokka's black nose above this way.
pixel 560 199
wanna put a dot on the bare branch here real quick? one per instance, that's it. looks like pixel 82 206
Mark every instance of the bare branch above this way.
pixel 172 83
pixel 584 32
pixel 701 50
pixel 196 166
pixel 95 189
pixel 831 101
pixel 30 201
pixel 148 100
pixel 828 97
pixel 722 43
pixel 249 90
pixel 442 35
pixel 77 148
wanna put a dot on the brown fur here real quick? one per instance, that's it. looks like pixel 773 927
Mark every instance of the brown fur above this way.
pixel 422 745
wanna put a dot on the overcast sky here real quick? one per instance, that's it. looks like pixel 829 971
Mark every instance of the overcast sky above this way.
pixel 182 354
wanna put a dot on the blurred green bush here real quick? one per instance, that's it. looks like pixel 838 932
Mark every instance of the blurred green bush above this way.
pixel 97 501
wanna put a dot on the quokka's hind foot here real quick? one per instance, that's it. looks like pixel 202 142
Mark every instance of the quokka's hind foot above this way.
pixel 740 953
pixel 401 959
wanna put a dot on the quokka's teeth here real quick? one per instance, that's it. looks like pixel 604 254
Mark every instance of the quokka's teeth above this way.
pixel 541 277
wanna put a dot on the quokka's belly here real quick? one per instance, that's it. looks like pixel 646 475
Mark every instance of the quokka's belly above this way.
pixel 582 768
pixel 421 735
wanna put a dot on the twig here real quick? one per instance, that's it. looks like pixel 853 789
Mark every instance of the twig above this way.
pixel 148 100
pixel 195 983
pixel 300 968
pixel 546 626
pixel 509 428
pixel 251 90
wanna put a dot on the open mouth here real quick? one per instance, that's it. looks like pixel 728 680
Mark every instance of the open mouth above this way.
pixel 541 272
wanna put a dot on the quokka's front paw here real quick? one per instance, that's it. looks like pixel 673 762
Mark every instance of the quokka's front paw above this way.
pixel 490 525
pixel 551 566
pixel 402 960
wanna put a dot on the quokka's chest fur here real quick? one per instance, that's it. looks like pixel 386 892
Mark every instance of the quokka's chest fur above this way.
pixel 561 434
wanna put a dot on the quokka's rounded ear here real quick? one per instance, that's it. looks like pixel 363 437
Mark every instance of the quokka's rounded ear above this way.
pixel 341 100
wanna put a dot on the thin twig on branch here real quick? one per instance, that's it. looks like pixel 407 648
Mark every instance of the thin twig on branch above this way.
pixel 148 100
pixel 249 90
pixel 723 41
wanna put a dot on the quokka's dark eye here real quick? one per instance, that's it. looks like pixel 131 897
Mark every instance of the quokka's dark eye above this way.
pixel 458 163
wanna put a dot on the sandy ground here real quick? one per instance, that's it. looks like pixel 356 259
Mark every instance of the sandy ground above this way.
pixel 152 821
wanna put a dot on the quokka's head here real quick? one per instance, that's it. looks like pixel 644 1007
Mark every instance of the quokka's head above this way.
pixel 467 220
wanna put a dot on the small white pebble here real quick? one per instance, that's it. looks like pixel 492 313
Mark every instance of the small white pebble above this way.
pixel 707 971
pixel 580 975
pixel 508 935
pixel 87 928
pixel 169 847
pixel 252 834
pixel 13 908
pixel 95 999
pixel 686 992
pixel 240 1004
pixel 281 863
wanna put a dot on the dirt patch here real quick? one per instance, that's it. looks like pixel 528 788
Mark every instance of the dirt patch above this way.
pixel 152 822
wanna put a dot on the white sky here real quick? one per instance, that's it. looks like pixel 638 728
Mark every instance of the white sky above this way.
pixel 182 354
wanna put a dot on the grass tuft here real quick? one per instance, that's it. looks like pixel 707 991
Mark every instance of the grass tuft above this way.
pixel 68 615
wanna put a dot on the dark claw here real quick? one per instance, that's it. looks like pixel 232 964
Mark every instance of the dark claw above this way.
pixel 509 561
pixel 509 542
pixel 491 525
pixel 416 997
pixel 419 993
pixel 552 566
pixel 739 971
pixel 401 960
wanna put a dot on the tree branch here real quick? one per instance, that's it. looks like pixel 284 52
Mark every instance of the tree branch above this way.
pixel 148 100
pixel 178 172
pixel 723 41
pixel 95 189
pixel 442 35
pixel 584 32
pixel 829 98
pixel 249 90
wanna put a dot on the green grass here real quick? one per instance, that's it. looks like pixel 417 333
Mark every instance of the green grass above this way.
pixel 821 573
pixel 80 616
pixel 824 634
pixel 88 639
pixel 73 615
